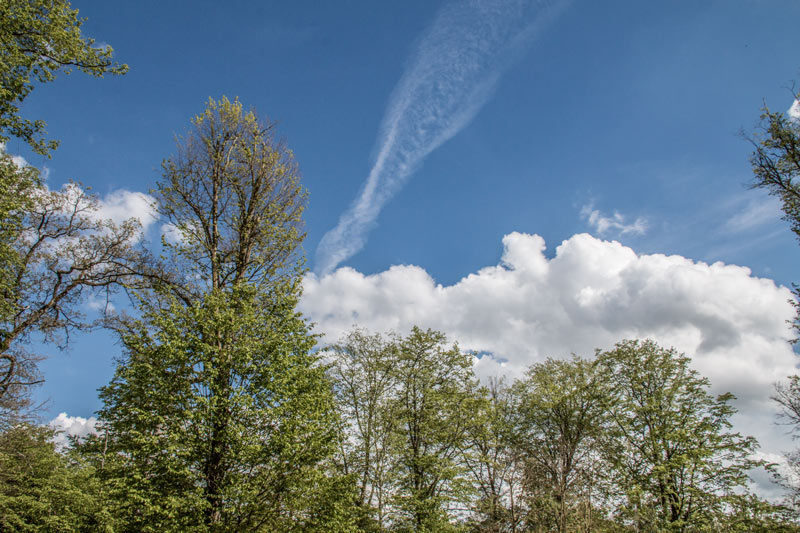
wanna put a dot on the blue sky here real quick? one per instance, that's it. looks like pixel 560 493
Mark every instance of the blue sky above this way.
pixel 619 119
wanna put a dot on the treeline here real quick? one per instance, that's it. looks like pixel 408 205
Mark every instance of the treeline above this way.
pixel 382 433
pixel 223 416
pixel 629 440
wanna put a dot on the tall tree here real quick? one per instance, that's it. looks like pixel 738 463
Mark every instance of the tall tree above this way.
pixel 776 169
pixel 496 468
pixel 676 461
pixel 219 418
pixel 436 399
pixel 559 430
pixel 40 232
pixel 233 198
pixel 363 370
pixel 39 39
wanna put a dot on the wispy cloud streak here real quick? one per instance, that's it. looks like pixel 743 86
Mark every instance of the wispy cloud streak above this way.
pixel 450 76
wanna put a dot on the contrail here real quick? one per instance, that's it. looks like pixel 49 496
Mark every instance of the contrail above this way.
pixel 450 76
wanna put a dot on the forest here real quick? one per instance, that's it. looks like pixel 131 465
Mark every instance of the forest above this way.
pixel 226 413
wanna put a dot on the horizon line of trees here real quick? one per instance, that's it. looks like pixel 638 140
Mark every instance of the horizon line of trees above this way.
pixel 222 416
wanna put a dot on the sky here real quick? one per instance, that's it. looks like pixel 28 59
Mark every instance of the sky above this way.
pixel 535 179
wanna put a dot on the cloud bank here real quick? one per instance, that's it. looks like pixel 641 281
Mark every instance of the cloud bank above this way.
pixel 450 76
pixel 591 294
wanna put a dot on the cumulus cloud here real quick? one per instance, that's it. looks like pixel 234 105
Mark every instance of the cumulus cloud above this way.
pixel 120 205
pixel 591 294
pixel 74 426
pixel 450 76
pixel 603 224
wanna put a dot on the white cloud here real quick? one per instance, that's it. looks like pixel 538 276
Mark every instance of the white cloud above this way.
pixel 120 205
pixel 592 294
pixel 756 213
pixel 75 426
pixel 449 78
pixel 171 233
pixel 18 160
pixel 794 110
pixel 603 224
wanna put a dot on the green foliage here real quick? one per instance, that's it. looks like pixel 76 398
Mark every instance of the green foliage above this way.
pixel 559 430
pixel 776 162
pixel 38 39
pixel 751 514
pixel 218 419
pixel 776 168
pixel 675 461
pixel 436 396
pixel 495 468
pixel 408 404
pixel 17 193
pixel 42 490
pixel 233 194
pixel 363 372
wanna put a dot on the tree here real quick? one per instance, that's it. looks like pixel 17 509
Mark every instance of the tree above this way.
pixel 363 372
pixel 559 429
pixel 494 464
pixel 38 286
pixel 219 418
pixel 749 513
pixel 39 39
pixel 776 162
pixel 436 399
pixel 787 396
pixel 232 193
pixel 44 490
pixel 55 249
pixel 676 462
pixel 776 168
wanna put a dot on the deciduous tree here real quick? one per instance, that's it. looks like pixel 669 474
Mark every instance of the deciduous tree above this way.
pixel 44 490
pixel 219 417
pixel 232 198
pixel 559 430
pixel 55 250
pixel 677 463
pixel 363 370
pixel 436 394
